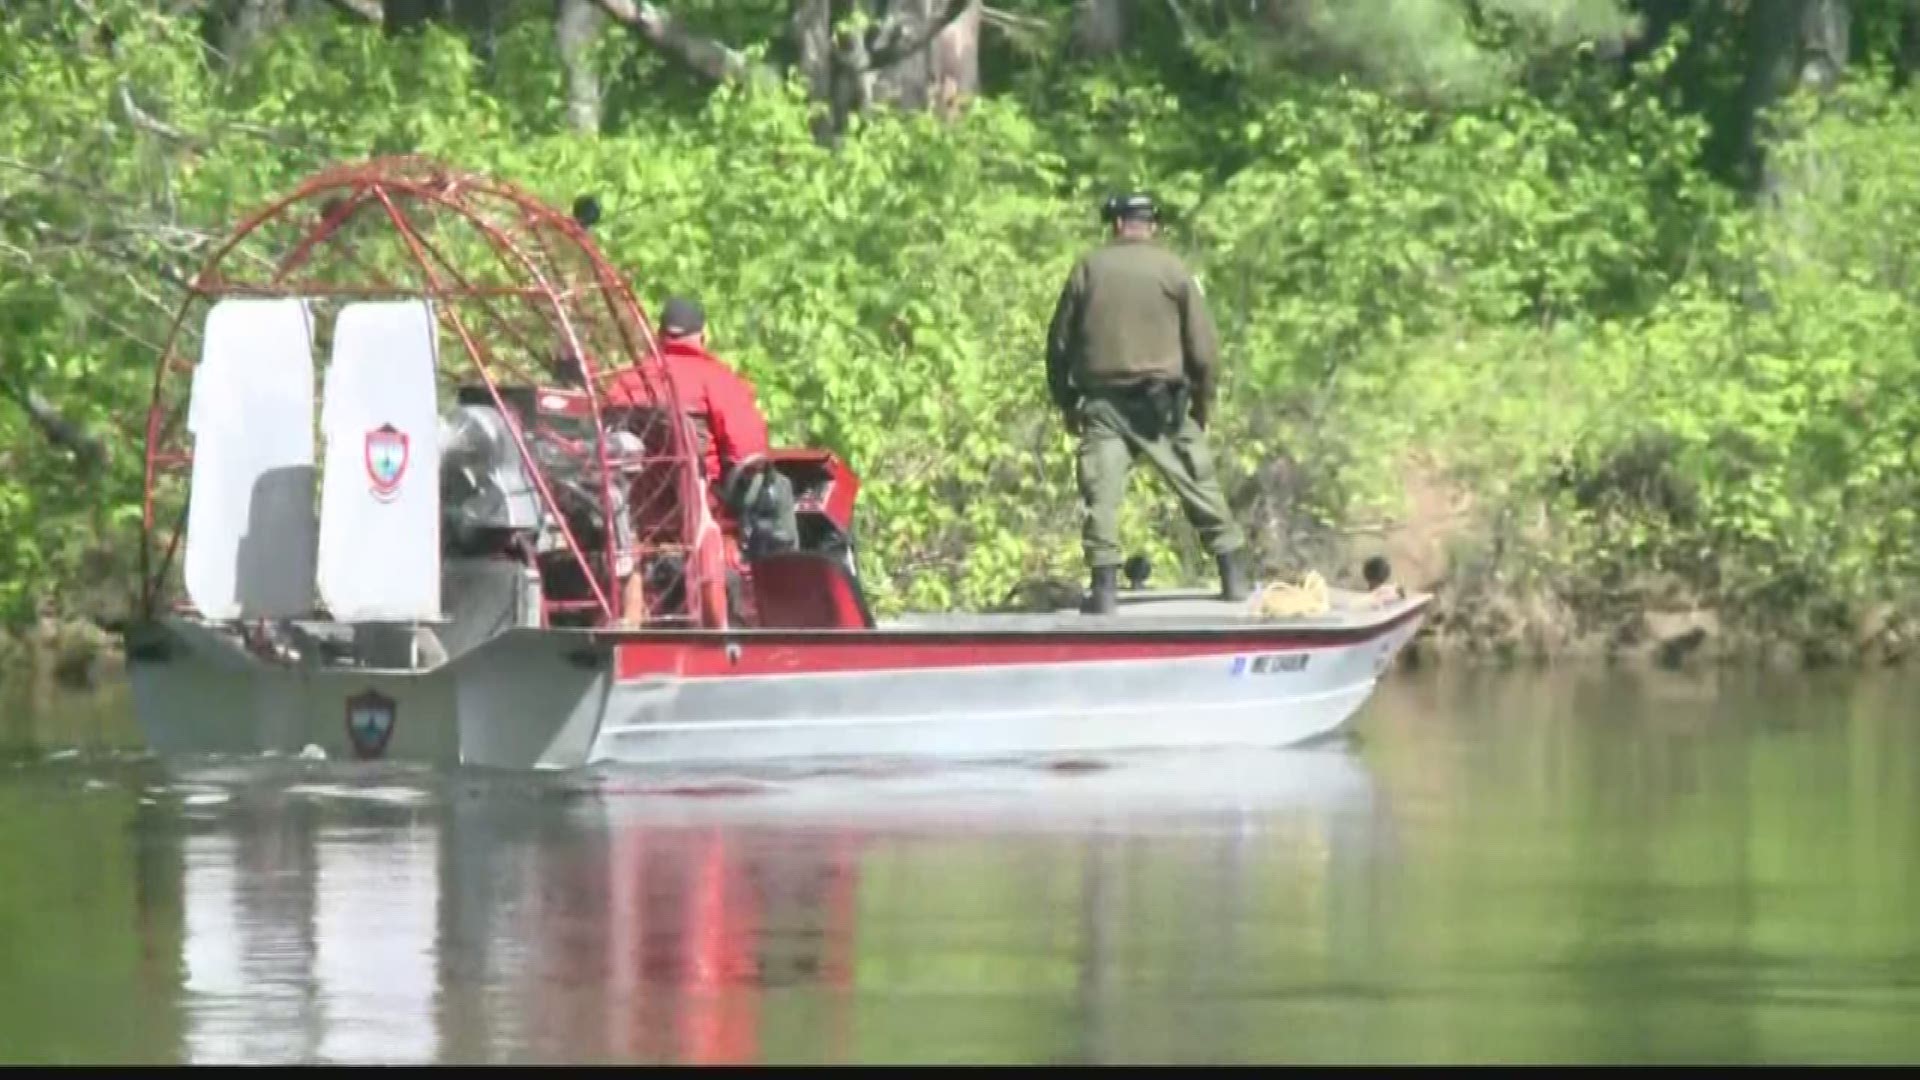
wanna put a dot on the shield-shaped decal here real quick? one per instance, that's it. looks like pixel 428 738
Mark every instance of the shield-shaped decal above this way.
pixel 386 460
pixel 370 720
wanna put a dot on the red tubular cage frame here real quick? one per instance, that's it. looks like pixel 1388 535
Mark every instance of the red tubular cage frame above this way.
pixel 523 241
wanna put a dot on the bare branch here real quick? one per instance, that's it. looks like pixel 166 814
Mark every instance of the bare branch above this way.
pixel 96 311
pixel 369 10
pixel 668 34
pixel 1010 21
pixel 53 424
pixel 181 240
pixel 148 122
pixel 185 239
pixel 109 247
pixel 890 44
pixel 43 172
pixel 1181 18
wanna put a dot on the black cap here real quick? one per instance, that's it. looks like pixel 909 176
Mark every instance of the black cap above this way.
pixel 681 316
pixel 1376 571
pixel 586 211
pixel 1133 206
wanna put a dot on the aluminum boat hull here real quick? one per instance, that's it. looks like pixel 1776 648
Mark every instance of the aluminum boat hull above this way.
pixel 1170 671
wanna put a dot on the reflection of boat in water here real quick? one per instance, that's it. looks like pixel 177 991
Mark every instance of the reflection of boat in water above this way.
pixel 542 921
pixel 1145 792
pixel 513 566
pixel 307 941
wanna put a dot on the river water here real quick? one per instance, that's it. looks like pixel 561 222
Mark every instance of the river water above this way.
pixel 1502 867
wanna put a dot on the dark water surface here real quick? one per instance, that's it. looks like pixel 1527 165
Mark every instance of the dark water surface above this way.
pixel 1593 867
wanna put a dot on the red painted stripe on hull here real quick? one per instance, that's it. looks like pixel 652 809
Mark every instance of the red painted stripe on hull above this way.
pixel 893 651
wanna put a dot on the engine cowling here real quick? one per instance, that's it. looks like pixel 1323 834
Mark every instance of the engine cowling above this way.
pixel 485 492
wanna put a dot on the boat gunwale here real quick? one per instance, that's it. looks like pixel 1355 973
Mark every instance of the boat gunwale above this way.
pixel 1385 618
pixel 1354 625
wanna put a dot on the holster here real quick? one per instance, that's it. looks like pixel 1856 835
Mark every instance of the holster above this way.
pixel 1154 407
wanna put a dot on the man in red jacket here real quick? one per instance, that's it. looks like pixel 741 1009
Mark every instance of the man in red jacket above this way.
pixel 726 417
pixel 721 403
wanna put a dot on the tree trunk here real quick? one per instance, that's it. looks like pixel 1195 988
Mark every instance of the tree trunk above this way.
pixel 481 20
pixel 1907 60
pixel 1825 43
pixel 373 11
pixel 1658 19
pixel 478 17
pixel 234 26
pixel 258 18
pixel 1772 26
pixel 1791 45
pixel 953 74
pixel 1099 28
pixel 913 54
pixel 400 16
pixel 810 28
pixel 575 24
pixel 925 54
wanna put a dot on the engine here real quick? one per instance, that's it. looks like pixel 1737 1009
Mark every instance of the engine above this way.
pixel 497 531
pixel 486 496
pixel 489 502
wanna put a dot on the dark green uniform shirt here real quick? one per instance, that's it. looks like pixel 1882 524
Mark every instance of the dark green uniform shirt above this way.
pixel 1129 310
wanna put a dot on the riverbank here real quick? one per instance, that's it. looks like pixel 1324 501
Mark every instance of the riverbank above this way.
pixel 1537 628
pixel 1504 600
pixel 69 653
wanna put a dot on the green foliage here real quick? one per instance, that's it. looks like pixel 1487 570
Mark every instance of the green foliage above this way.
pixel 1786 382
pixel 1442 52
pixel 1537 290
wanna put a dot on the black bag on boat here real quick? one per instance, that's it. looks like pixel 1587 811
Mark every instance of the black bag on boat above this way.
pixel 771 523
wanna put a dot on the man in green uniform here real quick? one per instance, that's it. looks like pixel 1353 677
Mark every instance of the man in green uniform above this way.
pixel 1132 364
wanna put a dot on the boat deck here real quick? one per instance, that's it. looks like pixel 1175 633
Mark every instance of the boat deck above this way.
pixel 1163 609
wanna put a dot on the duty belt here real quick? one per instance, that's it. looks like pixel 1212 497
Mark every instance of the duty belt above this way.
pixel 1154 406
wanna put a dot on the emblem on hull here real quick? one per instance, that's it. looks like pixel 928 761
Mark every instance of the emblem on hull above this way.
pixel 386 453
pixel 370 719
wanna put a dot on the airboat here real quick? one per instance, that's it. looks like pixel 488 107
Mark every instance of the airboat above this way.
pixel 483 536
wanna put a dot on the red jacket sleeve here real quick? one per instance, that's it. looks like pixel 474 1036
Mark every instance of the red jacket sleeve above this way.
pixel 739 431
pixel 626 388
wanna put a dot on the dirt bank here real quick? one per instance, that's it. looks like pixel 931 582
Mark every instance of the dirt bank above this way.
pixel 62 652
pixel 1506 593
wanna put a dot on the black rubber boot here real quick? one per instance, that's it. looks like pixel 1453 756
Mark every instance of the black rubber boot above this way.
pixel 1101 599
pixel 1234 584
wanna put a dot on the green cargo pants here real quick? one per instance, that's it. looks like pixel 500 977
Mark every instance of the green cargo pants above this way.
pixel 1109 444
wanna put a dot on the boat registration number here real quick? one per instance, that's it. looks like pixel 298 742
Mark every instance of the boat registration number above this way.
pixel 1269 663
